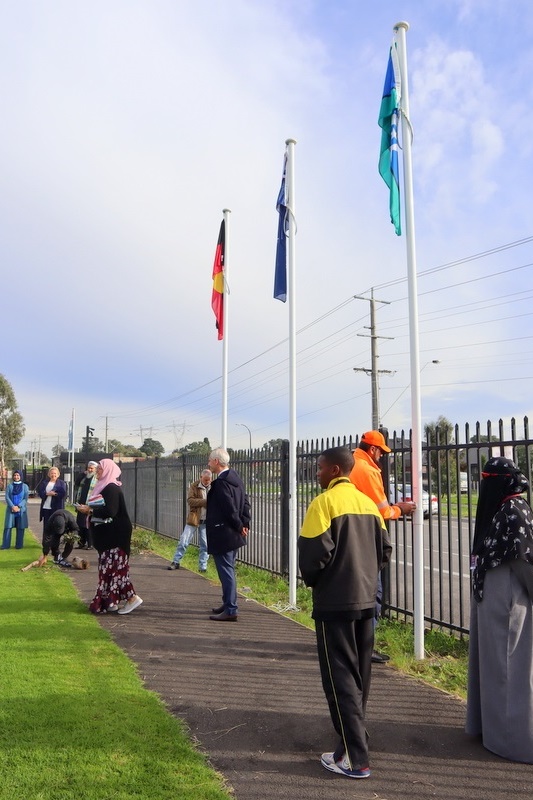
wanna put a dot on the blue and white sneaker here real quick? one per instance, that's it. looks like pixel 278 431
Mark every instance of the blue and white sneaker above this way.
pixel 342 767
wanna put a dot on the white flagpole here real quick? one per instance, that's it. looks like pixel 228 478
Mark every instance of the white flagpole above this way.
pixel 291 286
pixel 225 316
pixel 416 423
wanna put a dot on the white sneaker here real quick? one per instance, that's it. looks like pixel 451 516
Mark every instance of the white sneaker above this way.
pixel 131 605
pixel 342 767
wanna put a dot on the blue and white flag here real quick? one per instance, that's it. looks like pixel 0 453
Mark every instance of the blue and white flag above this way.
pixel 389 117
pixel 70 427
pixel 280 275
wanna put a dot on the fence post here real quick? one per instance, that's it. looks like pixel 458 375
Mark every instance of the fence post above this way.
pixel 136 494
pixel 156 498
pixel 184 488
pixel 284 506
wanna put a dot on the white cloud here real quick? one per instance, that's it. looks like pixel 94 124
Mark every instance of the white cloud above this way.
pixel 129 126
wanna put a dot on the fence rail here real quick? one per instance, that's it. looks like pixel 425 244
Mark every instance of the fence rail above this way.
pixel 156 494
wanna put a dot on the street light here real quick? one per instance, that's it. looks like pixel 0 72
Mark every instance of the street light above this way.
pixel 249 433
pixel 433 361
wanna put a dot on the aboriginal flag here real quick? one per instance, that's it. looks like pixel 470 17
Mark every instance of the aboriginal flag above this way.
pixel 217 297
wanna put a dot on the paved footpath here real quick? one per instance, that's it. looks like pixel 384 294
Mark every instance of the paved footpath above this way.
pixel 250 693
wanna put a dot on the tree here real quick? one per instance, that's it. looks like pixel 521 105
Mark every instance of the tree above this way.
pixel 442 428
pixel 114 446
pixel 12 427
pixel 443 463
pixel 522 458
pixel 273 444
pixel 57 449
pixel 152 448
pixel 94 445
pixel 194 449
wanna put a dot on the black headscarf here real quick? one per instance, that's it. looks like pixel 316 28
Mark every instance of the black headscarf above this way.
pixel 504 520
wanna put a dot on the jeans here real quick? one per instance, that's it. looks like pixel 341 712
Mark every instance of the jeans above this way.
pixel 225 564
pixel 6 543
pixel 185 540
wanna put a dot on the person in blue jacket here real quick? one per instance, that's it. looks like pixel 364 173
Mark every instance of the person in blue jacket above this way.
pixel 52 493
pixel 227 525
pixel 17 494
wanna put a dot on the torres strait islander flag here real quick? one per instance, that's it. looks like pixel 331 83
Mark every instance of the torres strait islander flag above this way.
pixel 217 297
pixel 389 115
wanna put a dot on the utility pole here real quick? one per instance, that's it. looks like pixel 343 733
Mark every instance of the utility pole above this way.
pixel 374 372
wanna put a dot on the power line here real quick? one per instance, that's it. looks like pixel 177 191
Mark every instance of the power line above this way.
pixel 323 346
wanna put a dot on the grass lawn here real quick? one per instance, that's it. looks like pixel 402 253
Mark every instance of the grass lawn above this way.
pixel 75 719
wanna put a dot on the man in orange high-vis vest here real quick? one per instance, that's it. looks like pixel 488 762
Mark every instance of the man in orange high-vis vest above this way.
pixel 366 476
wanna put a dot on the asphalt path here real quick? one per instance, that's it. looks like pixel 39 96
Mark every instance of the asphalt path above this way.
pixel 250 694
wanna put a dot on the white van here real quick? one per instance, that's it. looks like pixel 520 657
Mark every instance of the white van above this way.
pixel 463 482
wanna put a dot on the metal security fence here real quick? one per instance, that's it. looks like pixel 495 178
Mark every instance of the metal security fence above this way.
pixel 453 457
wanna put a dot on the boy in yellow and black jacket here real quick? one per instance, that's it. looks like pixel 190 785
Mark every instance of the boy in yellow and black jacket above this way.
pixel 342 546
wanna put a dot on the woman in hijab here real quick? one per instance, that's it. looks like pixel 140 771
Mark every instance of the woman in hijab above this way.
pixel 111 536
pixel 500 669
pixel 17 494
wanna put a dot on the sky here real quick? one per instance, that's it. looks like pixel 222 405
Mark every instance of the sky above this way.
pixel 129 125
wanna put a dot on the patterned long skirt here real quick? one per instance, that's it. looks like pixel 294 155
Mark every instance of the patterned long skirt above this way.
pixel 114 583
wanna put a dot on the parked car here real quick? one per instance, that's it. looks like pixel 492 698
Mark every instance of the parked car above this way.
pixel 404 495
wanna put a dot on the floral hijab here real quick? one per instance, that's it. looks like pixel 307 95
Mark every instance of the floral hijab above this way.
pixel 504 521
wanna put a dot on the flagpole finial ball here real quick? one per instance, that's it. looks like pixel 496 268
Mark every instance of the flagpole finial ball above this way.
pixel 290 141
pixel 401 25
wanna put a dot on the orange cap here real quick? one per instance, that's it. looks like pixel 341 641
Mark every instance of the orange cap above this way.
pixel 377 439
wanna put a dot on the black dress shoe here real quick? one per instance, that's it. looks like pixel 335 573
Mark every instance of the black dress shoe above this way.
pixel 379 658
pixel 224 617
pixel 219 610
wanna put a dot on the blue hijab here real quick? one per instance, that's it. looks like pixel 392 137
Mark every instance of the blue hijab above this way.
pixel 17 488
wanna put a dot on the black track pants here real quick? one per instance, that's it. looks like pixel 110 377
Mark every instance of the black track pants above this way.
pixel 345 658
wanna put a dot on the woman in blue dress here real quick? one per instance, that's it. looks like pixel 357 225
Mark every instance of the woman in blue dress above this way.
pixel 17 494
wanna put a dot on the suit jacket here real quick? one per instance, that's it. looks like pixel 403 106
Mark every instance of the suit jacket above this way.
pixel 58 501
pixel 228 512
